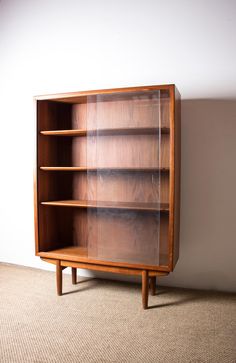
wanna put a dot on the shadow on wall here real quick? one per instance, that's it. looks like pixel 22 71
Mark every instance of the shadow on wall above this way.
pixel 208 196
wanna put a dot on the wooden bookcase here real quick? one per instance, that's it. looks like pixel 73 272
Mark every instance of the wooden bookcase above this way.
pixel 107 182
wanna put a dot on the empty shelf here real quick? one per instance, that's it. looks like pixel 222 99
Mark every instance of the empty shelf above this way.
pixel 135 206
pixel 105 169
pixel 104 132
pixel 66 252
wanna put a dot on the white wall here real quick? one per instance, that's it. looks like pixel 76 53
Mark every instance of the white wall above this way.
pixel 50 46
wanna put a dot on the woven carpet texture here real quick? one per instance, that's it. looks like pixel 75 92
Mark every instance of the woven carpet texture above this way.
pixel 103 321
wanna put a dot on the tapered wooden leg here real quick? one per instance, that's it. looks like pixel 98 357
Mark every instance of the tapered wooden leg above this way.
pixel 153 285
pixel 74 275
pixel 145 288
pixel 59 277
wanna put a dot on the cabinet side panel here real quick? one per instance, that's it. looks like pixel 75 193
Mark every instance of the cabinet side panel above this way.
pixel 177 152
pixel 36 229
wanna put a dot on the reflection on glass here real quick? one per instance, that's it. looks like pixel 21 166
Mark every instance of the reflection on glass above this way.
pixel 127 161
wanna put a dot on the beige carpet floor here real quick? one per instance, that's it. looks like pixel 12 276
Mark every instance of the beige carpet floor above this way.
pixel 103 321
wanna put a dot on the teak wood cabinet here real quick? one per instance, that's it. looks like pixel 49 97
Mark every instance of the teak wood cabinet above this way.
pixel 107 182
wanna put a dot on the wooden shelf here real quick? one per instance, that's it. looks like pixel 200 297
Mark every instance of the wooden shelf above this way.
pixel 105 169
pixel 133 206
pixel 107 132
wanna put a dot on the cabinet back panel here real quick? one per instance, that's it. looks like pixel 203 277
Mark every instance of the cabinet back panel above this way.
pixel 55 228
pixel 118 112
pixel 120 151
pixel 125 237
pixel 143 111
pixel 121 186
pixel 55 186
pixel 54 115
pixel 108 186
pixel 55 151
pixel 104 151
pixel 131 237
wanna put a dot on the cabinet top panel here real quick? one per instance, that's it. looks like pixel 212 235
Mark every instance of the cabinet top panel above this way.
pixel 81 97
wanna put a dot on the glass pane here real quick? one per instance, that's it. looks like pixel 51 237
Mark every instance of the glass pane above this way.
pixel 124 174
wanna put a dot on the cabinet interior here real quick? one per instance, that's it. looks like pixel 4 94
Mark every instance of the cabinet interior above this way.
pixel 103 177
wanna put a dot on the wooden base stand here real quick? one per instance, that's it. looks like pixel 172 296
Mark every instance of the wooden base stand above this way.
pixel 59 277
pixel 145 289
pixel 148 277
pixel 74 275
pixel 153 285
